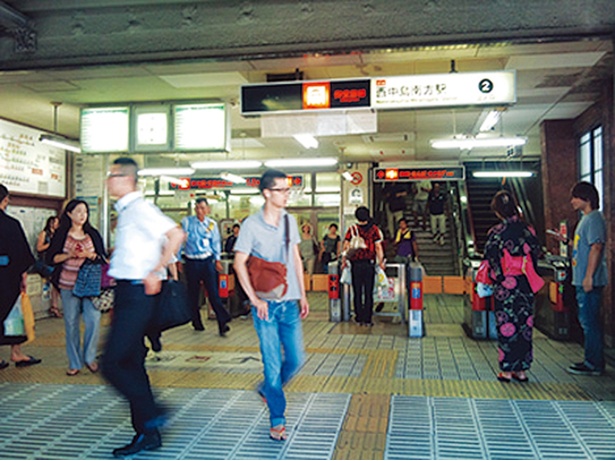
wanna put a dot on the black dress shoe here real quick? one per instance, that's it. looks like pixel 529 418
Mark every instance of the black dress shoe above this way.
pixel 198 326
pixel 140 442
pixel 224 330
pixel 156 344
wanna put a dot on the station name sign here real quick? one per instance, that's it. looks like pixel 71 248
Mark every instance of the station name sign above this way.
pixel 397 92
pixel 419 174
pixel 219 183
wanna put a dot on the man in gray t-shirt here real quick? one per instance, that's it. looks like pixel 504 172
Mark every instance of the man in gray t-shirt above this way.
pixel 271 234
pixel 589 276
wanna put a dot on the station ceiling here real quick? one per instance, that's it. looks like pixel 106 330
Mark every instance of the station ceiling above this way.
pixel 555 80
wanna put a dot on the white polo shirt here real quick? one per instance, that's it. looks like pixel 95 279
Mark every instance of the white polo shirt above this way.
pixel 139 237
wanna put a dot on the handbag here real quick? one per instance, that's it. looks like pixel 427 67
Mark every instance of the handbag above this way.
pixel 88 280
pixel 106 281
pixel 106 300
pixel 269 278
pixel 172 307
pixel 483 273
pixel 356 242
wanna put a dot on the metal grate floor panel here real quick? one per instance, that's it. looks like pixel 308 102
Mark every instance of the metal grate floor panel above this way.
pixel 88 422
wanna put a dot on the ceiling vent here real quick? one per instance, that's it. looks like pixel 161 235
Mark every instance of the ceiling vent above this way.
pixel 388 137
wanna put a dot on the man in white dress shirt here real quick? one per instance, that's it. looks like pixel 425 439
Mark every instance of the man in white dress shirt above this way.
pixel 145 242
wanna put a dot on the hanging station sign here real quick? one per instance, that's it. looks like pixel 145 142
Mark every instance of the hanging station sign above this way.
pixel 444 90
pixel 419 174
pixel 397 92
pixel 304 96
pixel 156 128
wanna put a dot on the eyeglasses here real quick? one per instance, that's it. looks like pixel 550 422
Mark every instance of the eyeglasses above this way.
pixel 283 190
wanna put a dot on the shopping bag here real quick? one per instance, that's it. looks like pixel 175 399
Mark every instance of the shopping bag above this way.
pixel 28 317
pixel 14 324
pixel 381 279
pixel 346 276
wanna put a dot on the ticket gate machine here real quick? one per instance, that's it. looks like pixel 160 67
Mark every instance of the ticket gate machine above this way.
pixel 476 310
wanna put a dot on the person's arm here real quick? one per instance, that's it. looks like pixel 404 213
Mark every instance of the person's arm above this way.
pixel 380 255
pixel 175 237
pixel 415 249
pixel 303 302
pixel 216 246
pixel 241 271
pixel 40 242
pixel 593 260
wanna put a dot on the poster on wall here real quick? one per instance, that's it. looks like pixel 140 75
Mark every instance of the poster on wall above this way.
pixel 28 166
pixel 32 220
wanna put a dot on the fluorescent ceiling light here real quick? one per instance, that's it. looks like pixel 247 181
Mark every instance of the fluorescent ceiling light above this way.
pixel 347 175
pixel 60 142
pixel 490 120
pixel 234 178
pixel 472 143
pixel 301 162
pixel 227 165
pixel 307 140
pixel 503 174
pixel 170 171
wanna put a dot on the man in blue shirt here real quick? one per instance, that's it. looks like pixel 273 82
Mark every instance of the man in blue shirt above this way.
pixel 202 263
pixel 589 275
pixel 272 235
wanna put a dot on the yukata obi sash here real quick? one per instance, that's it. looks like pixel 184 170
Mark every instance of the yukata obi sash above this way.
pixel 522 265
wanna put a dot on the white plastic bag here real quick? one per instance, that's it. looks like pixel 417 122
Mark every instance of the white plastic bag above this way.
pixel 381 280
pixel 14 324
pixel 346 276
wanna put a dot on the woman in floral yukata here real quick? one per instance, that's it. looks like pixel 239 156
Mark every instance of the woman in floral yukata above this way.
pixel 513 295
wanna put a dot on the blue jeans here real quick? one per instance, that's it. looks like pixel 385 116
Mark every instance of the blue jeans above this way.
pixel 73 307
pixel 589 318
pixel 282 328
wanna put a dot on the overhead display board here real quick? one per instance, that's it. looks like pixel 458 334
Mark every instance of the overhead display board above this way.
pixel 219 183
pixel 419 174
pixel 151 128
pixel 305 96
pixel 105 129
pixel 175 126
pixel 27 165
pixel 444 90
pixel 200 127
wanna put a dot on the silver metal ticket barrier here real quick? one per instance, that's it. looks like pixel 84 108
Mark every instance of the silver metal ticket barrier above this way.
pixel 335 286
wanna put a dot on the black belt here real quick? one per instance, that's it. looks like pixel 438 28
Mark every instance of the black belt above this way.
pixel 129 282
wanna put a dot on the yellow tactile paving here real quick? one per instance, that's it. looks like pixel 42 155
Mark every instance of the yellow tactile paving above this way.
pixel 363 434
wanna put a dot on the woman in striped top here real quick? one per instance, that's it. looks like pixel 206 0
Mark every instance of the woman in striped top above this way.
pixel 74 242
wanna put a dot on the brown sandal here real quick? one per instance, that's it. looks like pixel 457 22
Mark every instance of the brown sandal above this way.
pixel 93 367
pixel 72 372
pixel 278 433
pixel 55 312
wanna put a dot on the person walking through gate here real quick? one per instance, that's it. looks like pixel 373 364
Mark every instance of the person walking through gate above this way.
pixel 145 242
pixel 513 295
pixel 589 275
pixel 271 234
pixel 363 262
pixel 202 263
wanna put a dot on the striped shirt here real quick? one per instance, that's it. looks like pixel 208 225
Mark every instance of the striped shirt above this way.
pixel 70 267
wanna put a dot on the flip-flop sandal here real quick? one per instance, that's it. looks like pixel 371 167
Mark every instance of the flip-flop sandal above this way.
pixel 516 377
pixel 93 367
pixel 55 312
pixel 26 363
pixel 502 378
pixel 3 364
pixel 73 372
pixel 278 433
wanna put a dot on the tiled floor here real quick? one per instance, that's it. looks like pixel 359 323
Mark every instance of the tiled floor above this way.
pixel 364 393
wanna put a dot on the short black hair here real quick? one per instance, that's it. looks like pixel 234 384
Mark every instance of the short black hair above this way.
pixel 362 214
pixel 505 204
pixel 236 226
pixel 587 192
pixel 3 192
pixel 333 225
pixel 402 220
pixel 268 179
pixel 128 166
pixel 201 200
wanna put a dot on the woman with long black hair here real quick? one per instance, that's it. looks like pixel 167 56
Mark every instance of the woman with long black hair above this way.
pixel 43 242
pixel 74 242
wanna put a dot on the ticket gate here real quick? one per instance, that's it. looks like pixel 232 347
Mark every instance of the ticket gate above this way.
pixel 555 313
pixel 476 309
